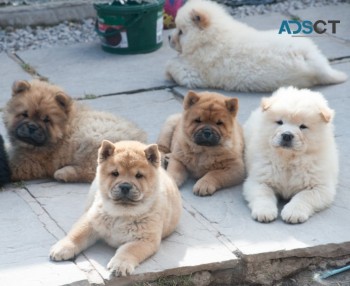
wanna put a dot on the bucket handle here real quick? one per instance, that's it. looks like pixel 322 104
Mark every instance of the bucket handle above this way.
pixel 117 31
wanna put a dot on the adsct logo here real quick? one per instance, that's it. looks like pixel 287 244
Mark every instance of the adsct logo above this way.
pixel 307 28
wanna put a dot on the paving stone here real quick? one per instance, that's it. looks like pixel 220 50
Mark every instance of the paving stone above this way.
pixel 148 109
pixel 227 211
pixel 85 69
pixel 9 72
pixel 24 244
pixel 192 247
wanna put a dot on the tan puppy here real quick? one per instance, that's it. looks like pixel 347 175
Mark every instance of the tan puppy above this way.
pixel 54 136
pixel 206 142
pixel 136 204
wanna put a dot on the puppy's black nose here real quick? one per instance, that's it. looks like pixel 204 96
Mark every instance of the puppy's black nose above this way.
pixel 32 127
pixel 125 188
pixel 287 136
pixel 207 132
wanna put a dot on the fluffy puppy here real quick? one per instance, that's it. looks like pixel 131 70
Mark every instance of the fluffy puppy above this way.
pixel 290 153
pixel 135 205
pixel 53 136
pixel 206 142
pixel 216 51
pixel 5 173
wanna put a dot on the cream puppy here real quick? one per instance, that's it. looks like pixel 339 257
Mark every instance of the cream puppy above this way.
pixel 216 51
pixel 133 204
pixel 290 154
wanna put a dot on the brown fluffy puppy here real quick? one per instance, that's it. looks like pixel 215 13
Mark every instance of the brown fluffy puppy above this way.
pixel 206 142
pixel 54 136
pixel 134 205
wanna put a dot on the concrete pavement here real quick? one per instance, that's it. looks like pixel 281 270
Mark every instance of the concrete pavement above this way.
pixel 216 234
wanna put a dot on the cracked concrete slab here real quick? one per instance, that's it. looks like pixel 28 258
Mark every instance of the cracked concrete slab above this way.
pixel 227 211
pixel 155 105
pixel 86 70
pixel 24 243
pixel 191 248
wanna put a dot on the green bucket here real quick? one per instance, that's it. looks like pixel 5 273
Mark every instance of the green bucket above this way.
pixel 130 28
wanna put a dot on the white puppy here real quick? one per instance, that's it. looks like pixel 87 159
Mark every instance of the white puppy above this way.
pixel 290 153
pixel 216 51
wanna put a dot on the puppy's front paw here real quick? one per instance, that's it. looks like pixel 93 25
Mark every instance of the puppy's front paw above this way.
pixel 65 174
pixel 65 249
pixel 265 213
pixel 120 267
pixel 204 188
pixel 295 213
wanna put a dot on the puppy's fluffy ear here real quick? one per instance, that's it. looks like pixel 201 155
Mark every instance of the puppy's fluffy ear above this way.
pixel 327 114
pixel 190 99
pixel 20 86
pixel 64 101
pixel 106 150
pixel 265 104
pixel 200 19
pixel 232 105
pixel 153 155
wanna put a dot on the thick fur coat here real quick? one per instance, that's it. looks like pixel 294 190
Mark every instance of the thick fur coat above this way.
pixel 290 154
pixel 53 136
pixel 216 51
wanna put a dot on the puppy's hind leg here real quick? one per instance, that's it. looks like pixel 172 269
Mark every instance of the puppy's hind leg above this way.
pixel 166 133
pixel 183 74
pixel 261 200
pixel 177 171
pixel 74 174
pixel 323 71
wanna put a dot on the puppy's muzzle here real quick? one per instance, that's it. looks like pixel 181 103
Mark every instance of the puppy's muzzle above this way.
pixel 286 139
pixel 206 136
pixel 31 133
pixel 125 193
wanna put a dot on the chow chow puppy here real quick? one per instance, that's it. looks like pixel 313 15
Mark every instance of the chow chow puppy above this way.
pixel 290 154
pixel 54 136
pixel 5 173
pixel 206 142
pixel 135 204
pixel 216 51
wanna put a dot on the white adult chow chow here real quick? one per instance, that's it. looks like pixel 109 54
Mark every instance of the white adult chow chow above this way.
pixel 216 51
pixel 290 154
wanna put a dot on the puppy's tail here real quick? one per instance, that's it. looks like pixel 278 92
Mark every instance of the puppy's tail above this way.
pixel 332 76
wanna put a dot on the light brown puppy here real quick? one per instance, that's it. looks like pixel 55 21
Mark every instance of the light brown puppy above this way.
pixel 135 205
pixel 54 136
pixel 206 142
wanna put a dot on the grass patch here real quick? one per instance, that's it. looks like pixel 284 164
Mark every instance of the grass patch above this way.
pixel 28 68
pixel 90 96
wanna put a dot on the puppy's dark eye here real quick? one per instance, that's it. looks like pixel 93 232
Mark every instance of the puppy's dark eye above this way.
pixel 279 122
pixel 302 126
pixel 46 119
pixel 219 122
pixel 197 120
pixel 115 174
pixel 139 176
pixel 25 114
pixel 180 32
